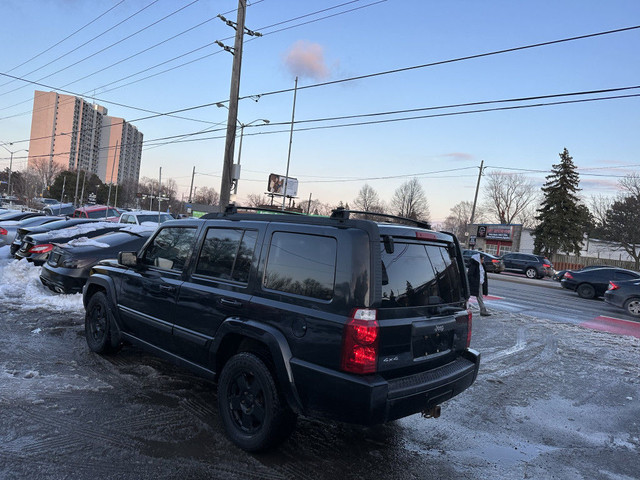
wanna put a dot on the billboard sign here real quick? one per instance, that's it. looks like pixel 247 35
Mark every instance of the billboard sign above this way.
pixel 276 185
pixel 499 232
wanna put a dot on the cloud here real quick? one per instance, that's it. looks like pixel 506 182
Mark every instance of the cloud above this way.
pixel 459 156
pixel 305 59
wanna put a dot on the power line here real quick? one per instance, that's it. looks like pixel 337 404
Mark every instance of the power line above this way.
pixel 176 58
pixel 453 60
pixel 63 40
pixel 92 39
pixel 108 46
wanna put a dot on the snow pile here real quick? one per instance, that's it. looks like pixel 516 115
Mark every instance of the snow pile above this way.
pixel 86 242
pixel 75 230
pixel 20 286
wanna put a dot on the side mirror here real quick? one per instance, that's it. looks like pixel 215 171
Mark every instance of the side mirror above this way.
pixel 388 244
pixel 128 259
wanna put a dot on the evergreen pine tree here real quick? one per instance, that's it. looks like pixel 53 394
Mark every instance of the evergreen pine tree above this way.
pixel 563 220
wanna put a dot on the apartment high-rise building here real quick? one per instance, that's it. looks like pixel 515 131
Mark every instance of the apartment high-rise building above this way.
pixel 77 135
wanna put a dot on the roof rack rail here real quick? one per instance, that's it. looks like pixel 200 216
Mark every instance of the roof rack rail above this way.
pixel 343 213
pixel 232 209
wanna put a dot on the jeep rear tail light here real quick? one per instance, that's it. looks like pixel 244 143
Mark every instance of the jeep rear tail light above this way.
pixel 494 260
pixel 3 231
pixel 546 265
pixel 567 275
pixel 612 286
pixel 38 249
pixel 360 342
pixel 462 319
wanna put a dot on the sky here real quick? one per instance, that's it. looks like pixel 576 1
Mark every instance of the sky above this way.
pixel 356 62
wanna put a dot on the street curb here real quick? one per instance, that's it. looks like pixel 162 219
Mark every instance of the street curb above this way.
pixel 542 282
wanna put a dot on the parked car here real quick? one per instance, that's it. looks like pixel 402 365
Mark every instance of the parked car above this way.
pixel 593 283
pixel 36 248
pixel 560 273
pixel 18 215
pixel 350 319
pixel 34 230
pixel 533 266
pixel 59 209
pixel 624 294
pixel 9 228
pixel 491 263
pixel 138 217
pixel 98 212
pixel 69 264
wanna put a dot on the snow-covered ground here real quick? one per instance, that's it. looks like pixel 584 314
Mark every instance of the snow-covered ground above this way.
pixel 20 285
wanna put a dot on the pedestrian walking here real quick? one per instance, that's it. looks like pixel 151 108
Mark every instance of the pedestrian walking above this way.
pixel 478 283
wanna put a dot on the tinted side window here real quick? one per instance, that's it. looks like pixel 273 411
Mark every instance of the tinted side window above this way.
pixel 418 275
pixel 227 254
pixel 301 264
pixel 171 248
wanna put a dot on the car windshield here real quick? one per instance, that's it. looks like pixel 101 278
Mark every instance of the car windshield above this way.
pixel 158 218
pixel 112 212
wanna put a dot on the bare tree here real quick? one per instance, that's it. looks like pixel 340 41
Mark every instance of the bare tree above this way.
pixel 508 195
pixel 631 184
pixel 460 216
pixel 409 200
pixel 257 200
pixel 368 200
pixel 599 205
pixel 45 171
pixel 207 196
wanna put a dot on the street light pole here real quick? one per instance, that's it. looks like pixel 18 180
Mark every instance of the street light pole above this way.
pixel 11 164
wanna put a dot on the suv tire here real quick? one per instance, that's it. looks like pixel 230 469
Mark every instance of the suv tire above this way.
pixel 632 306
pixel 97 324
pixel 585 290
pixel 531 272
pixel 252 410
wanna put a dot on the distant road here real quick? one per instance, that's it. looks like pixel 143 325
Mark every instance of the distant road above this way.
pixel 546 299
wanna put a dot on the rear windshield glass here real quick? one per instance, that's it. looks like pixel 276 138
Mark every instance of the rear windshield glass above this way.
pixel 418 274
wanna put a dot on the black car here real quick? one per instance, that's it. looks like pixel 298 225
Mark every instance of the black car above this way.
pixel 624 294
pixel 344 318
pixel 560 273
pixel 18 215
pixel 69 264
pixel 36 247
pixel 491 263
pixel 593 283
pixel 46 227
pixel 533 266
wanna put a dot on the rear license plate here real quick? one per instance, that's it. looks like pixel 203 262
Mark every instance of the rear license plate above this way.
pixel 432 343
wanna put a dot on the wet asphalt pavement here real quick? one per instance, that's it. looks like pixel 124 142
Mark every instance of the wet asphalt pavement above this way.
pixel 552 400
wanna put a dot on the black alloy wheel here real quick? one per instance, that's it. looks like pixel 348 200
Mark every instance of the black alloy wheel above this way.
pixel 254 415
pixel 586 290
pixel 97 324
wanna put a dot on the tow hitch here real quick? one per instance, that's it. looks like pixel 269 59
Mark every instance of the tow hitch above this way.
pixel 433 413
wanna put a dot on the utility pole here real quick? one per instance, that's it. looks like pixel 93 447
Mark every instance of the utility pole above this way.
pixel 113 166
pixel 191 187
pixel 293 114
pixel 475 199
pixel 232 119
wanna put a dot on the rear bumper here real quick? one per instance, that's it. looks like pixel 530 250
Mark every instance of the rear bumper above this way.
pixel 62 280
pixel 371 400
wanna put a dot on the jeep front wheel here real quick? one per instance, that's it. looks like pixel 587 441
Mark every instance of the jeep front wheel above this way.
pixel 252 410
pixel 97 324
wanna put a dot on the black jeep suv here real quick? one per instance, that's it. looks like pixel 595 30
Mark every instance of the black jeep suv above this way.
pixel 343 318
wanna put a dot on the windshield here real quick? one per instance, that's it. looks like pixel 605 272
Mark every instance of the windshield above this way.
pixel 154 218
pixel 103 213
pixel 418 274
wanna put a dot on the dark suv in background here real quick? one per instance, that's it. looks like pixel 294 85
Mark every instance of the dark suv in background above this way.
pixel 533 266
pixel 349 319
